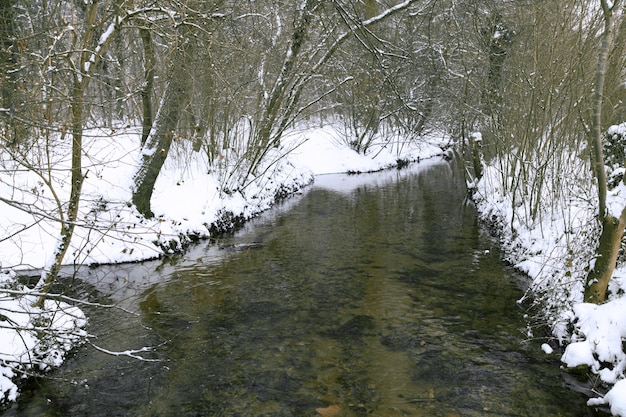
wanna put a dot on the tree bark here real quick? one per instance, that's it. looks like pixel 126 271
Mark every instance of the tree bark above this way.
pixel 8 60
pixel 147 91
pixel 608 250
pixel 612 228
pixel 596 128
pixel 158 142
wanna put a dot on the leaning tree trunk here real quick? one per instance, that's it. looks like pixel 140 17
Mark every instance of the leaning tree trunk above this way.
pixel 157 145
pixel 68 219
pixel 86 62
pixel 612 227
pixel 608 250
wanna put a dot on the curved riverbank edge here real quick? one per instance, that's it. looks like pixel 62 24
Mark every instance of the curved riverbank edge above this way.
pixel 555 247
pixel 190 204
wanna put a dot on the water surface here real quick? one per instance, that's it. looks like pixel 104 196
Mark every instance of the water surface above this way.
pixel 366 296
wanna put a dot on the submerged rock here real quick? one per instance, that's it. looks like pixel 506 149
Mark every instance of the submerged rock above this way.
pixel 357 326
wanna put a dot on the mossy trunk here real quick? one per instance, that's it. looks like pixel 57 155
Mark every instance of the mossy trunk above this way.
pixel 612 228
pixel 608 250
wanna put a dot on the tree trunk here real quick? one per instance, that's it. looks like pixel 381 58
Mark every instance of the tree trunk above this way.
pixel 475 144
pixel 265 135
pixel 608 250
pixel 282 82
pixel 499 41
pixel 612 228
pixel 596 128
pixel 68 222
pixel 157 145
pixel 147 91
pixel 8 61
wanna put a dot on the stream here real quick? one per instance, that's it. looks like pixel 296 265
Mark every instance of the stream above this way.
pixel 369 295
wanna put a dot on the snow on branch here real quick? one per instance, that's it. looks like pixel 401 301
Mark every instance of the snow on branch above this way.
pixel 33 339
pixel 131 353
pixel 388 12
pixel 107 36
pixel 366 23
pixel 104 39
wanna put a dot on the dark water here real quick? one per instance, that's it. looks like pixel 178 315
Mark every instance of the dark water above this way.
pixel 367 296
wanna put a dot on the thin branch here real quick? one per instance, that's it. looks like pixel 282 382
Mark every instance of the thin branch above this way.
pixel 62 297
pixel 131 353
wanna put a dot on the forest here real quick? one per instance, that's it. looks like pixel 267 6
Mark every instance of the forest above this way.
pixel 529 92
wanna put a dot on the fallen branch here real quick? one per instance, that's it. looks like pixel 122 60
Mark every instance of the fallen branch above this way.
pixel 131 353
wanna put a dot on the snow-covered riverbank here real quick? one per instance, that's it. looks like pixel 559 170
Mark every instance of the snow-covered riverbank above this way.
pixel 188 201
pixel 555 247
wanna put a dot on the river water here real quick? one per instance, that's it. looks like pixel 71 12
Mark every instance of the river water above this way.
pixel 373 295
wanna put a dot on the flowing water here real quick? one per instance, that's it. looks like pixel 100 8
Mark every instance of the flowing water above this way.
pixel 375 295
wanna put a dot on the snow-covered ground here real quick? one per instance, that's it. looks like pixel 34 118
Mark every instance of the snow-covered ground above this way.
pixel 187 199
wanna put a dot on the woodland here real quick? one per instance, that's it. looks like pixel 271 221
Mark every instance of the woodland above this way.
pixel 530 92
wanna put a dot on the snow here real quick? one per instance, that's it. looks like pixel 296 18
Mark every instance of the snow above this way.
pixel 477 136
pixel 603 332
pixel 547 349
pixel 186 199
pixel 106 35
pixel 334 157
pixel 22 349
pixel 616 398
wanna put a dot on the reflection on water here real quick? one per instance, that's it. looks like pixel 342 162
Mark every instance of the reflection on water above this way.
pixel 376 298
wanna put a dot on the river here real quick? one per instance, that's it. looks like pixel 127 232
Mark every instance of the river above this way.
pixel 370 295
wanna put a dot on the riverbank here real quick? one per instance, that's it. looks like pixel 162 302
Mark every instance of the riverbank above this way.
pixel 188 203
pixel 554 244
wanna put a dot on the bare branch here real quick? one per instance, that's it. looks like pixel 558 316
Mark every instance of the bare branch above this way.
pixel 131 353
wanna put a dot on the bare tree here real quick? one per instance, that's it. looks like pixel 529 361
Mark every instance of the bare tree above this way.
pixel 612 224
pixel 177 95
pixel 159 140
pixel 303 63
pixel 97 32
pixel 62 61
pixel 8 51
